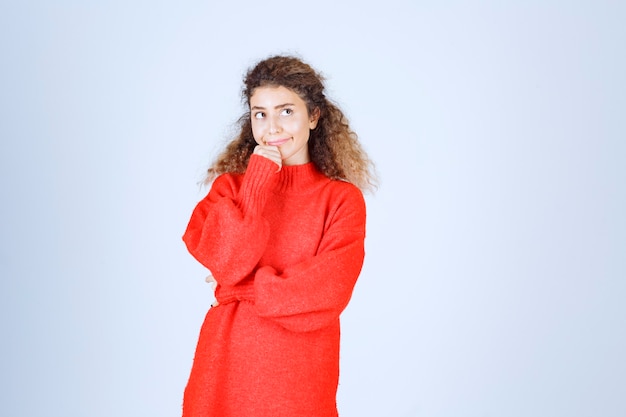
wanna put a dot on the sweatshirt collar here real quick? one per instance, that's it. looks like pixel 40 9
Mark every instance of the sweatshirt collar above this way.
pixel 300 178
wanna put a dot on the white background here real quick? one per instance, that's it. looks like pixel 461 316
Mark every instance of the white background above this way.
pixel 495 276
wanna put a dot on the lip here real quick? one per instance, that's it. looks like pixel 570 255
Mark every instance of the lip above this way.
pixel 277 142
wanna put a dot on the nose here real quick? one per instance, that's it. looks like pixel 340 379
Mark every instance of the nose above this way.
pixel 274 126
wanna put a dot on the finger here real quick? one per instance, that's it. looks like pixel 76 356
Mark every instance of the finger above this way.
pixel 270 152
pixel 267 150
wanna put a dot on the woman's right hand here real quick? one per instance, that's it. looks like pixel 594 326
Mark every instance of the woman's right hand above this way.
pixel 270 152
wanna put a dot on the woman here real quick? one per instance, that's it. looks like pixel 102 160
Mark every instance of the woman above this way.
pixel 282 231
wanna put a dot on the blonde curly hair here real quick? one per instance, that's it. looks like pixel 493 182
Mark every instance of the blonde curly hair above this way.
pixel 333 147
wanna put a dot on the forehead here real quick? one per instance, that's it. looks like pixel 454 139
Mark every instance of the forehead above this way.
pixel 269 96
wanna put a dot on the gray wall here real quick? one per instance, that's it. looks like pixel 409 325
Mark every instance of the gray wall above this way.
pixel 494 282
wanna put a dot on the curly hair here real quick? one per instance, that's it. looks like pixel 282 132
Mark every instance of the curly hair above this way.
pixel 333 147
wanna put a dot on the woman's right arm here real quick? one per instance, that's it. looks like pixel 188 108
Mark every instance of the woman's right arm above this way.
pixel 226 232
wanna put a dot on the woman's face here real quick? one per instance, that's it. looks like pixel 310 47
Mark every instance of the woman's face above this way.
pixel 280 118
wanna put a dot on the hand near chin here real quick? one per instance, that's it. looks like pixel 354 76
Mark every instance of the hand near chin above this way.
pixel 270 152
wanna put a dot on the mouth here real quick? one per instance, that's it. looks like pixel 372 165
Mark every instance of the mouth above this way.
pixel 277 142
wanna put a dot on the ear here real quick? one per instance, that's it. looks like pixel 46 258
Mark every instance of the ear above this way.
pixel 315 117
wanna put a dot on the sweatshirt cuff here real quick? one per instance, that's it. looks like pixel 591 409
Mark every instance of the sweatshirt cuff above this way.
pixel 259 179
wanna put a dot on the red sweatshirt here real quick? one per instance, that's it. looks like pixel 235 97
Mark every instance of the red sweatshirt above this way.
pixel 286 249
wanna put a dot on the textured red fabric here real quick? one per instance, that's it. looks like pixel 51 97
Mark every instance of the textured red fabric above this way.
pixel 286 249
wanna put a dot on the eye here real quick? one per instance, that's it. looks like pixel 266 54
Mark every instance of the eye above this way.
pixel 286 112
pixel 259 115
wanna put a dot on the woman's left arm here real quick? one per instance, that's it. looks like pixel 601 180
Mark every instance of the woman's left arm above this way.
pixel 312 294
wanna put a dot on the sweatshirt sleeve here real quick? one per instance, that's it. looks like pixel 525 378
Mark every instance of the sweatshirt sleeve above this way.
pixel 312 294
pixel 226 232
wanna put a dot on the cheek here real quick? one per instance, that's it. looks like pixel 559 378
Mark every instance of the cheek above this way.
pixel 257 133
pixel 300 127
pixel 306 131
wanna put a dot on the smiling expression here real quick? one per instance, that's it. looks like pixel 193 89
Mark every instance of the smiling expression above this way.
pixel 280 118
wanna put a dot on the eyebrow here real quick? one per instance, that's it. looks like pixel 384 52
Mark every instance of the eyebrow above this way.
pixel 280 106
